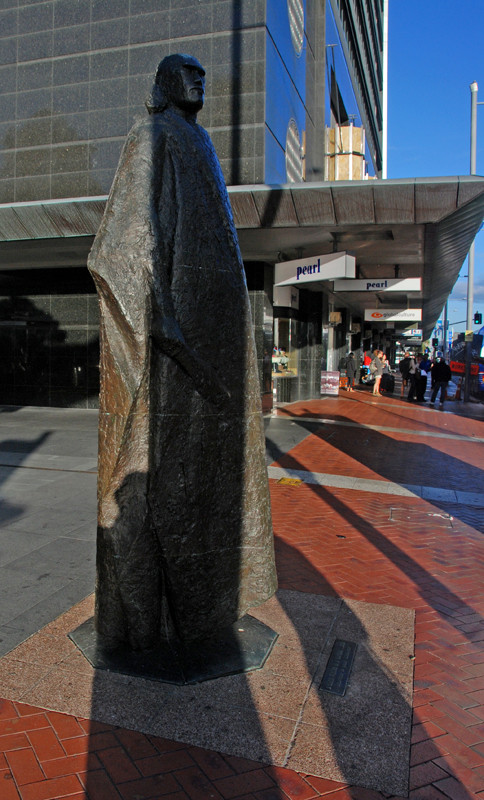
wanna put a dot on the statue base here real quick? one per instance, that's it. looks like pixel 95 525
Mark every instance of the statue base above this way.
pixel 241 647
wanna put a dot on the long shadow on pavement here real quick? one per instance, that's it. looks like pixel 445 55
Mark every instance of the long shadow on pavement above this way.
pixel 406 463
pixel 434 593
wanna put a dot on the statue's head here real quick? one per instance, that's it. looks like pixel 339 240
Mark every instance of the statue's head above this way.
pixel 179 82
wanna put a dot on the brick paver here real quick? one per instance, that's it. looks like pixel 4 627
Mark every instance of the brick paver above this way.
pixel 360 545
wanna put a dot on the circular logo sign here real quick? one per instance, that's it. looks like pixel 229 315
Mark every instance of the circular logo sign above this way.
pixel 376 315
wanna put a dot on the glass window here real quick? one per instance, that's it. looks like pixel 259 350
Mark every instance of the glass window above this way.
pixel 284 354
pixel 295 10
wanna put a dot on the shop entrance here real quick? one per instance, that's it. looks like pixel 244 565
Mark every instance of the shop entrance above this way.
pixel 284 355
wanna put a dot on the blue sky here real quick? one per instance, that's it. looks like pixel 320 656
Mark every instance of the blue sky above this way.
pixel 436 50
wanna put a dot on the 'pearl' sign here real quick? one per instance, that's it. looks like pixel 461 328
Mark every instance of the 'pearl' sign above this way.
pixel 314 270
pixel 379 285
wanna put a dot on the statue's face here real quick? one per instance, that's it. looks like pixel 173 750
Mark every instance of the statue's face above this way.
pixel 190 91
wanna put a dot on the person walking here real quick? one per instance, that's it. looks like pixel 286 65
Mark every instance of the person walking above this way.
pixel 404 366
pixel 423 367
pixel 412 375
pixel 426 363
pixel 441 376
pixel 376 369
pixel 387 384
pixel 365 373
pixel 351 370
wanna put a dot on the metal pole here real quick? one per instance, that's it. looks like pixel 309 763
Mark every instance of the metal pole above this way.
pixel 446 325
pixel 473 87
pixel 470 260
pixel 384 171
pixel 470 272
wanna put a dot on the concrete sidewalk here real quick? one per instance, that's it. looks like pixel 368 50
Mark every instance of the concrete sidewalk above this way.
pixel 385 512
pixel 48 463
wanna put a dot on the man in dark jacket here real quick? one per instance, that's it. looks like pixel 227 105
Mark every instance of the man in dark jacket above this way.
pixel 441 376
pixel 404 367
pixel 351 370
pixel 423 368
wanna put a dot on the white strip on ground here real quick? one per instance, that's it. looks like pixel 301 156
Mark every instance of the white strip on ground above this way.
pixel 381 487
pixel 410 432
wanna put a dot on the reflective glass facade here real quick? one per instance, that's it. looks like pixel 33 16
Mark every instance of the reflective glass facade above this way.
pixel 340 92
pixel 74 75
pixel 354 72
pixel 286 73
pixel 49 338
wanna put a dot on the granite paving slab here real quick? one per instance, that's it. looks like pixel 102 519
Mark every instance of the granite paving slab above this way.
pixel 277 715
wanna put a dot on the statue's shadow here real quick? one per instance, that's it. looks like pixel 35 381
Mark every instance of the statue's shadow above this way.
pixel 241 646
pixel 279 714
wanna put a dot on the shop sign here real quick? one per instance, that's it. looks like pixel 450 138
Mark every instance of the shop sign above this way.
pixel 393 314
pixel 329 382
pixel 379 285
pixel 413 332
pixel 459 367
pixel 314 269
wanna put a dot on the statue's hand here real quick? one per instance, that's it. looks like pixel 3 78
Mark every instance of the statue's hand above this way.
pixel 210 386
pixel 168 338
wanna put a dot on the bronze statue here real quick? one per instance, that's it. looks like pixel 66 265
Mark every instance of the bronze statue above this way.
pixel 185 541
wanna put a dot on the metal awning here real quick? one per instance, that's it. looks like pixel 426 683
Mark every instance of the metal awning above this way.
pixel 421 227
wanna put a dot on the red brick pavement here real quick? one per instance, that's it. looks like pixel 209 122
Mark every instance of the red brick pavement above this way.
pixel 328 541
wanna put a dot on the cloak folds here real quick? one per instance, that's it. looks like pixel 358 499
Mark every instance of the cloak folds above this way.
pixel 185 542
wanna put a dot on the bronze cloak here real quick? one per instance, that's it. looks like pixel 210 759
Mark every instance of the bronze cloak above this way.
pixel 185 540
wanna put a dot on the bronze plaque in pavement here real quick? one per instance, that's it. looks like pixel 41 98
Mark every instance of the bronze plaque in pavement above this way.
pixel 338 669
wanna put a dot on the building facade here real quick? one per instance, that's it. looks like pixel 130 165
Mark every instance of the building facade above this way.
pixel 295 97
pixel 75 74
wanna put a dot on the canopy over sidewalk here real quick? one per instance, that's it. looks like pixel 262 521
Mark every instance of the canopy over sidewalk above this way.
pixel 411 227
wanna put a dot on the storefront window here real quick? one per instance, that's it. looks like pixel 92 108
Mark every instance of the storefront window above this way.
pixel 284 354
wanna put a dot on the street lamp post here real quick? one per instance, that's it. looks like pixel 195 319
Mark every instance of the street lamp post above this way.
pixel 470 272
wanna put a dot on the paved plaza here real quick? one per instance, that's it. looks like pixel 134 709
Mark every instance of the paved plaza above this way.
pixel 378 516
